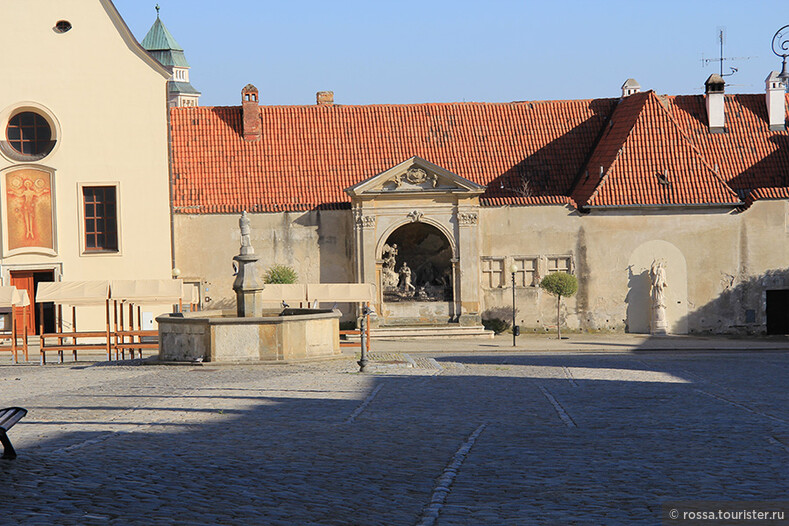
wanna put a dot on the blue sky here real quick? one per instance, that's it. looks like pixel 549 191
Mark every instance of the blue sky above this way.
pixel 371 52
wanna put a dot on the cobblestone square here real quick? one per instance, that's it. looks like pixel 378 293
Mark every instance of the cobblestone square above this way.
pixel 462 433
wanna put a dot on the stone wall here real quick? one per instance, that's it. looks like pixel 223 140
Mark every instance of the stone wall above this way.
pixel 318 244
pixel 719 263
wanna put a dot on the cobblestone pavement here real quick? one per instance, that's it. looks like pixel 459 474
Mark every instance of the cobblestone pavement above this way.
pixel 490 438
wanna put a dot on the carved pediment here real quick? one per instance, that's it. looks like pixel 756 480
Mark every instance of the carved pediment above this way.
pixel 415 175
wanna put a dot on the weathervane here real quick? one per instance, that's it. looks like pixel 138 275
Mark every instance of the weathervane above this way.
pixel 157 10
pixel 781 43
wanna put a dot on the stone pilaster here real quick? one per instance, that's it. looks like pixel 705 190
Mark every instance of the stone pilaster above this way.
pixel 468 252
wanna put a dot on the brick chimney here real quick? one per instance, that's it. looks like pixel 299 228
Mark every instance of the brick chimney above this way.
pixel 776 102
pixel 253 127
pixel 325 98
pixel 716 119
pixel 630 87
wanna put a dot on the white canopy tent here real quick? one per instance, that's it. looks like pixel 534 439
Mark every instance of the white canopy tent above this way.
pixel 319 292
pixel 12 298
pixel 279 292
pixel 341 292
pixel 103 292
pixel 147 290
pixel 75 293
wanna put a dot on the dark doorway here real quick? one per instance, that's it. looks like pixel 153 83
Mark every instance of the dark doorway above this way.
pixel 29 280
pixel 778 312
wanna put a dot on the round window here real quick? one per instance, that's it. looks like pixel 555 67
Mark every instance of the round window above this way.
pixel 63 26
pixel 29 133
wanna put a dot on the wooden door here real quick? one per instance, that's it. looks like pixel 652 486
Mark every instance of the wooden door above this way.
pixel 28 280
pixel 24 280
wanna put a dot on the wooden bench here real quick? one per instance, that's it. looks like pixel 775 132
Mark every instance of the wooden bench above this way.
pixel 61 346
pixel 9 417
pixel 131 340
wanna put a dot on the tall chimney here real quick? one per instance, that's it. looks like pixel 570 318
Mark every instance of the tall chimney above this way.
pixel 325 98
pixel 714 99
pixel 253 127
pixel 776 102
pixel 630 87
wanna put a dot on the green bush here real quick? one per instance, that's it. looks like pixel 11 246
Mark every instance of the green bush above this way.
pixel 560 285
pixel 281 274
pixel 496 325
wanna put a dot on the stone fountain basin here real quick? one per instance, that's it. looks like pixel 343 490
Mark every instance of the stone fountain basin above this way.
pixel 289 335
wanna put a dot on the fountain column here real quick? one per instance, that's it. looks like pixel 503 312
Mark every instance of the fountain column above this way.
pixel 247 286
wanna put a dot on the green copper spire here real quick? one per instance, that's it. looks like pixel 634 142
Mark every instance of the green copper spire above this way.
pixel 163 46
pixel 160 43
pixel 160 39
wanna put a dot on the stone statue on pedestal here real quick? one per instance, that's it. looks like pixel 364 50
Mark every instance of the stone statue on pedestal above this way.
pixel 657 274
pixel 246 285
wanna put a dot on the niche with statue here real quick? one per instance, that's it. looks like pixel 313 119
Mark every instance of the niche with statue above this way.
pixel 417 265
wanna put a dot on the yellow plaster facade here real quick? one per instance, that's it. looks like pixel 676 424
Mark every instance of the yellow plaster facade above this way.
pixel 78 66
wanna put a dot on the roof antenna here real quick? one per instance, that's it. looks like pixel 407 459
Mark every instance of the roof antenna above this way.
pixel 722 59
pixel 157 10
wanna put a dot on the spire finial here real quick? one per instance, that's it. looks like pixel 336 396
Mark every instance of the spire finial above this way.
pixel 157 10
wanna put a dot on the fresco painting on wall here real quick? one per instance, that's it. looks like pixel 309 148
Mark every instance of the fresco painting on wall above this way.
pixel 29 210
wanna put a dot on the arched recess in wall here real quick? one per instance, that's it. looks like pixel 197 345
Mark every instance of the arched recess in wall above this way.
pixel 428 253
pixel 639 301
pixel 382 240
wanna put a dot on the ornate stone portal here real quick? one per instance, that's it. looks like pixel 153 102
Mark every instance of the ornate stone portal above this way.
pixel 416 238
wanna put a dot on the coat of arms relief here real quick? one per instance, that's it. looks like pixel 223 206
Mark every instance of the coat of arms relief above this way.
pixel 412 179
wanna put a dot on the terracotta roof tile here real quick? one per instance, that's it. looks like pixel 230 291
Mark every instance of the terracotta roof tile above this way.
pixel 766 194
pixel 310 154
pixel 645 158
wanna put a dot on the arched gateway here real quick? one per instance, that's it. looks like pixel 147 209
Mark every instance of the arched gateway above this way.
pixel 417 265
pixel 417 239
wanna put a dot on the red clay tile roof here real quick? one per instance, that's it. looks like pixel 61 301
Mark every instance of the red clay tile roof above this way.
pixel 528 200
pixel 766 194
pixel 309 154
pixel 645 158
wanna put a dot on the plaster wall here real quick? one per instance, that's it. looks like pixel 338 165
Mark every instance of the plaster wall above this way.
pixel 108 104
pixel 719 263
pixel 318 244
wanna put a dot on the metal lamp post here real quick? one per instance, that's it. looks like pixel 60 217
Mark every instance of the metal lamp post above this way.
pixel 367 311
pixel 781 49
pixel 515 329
